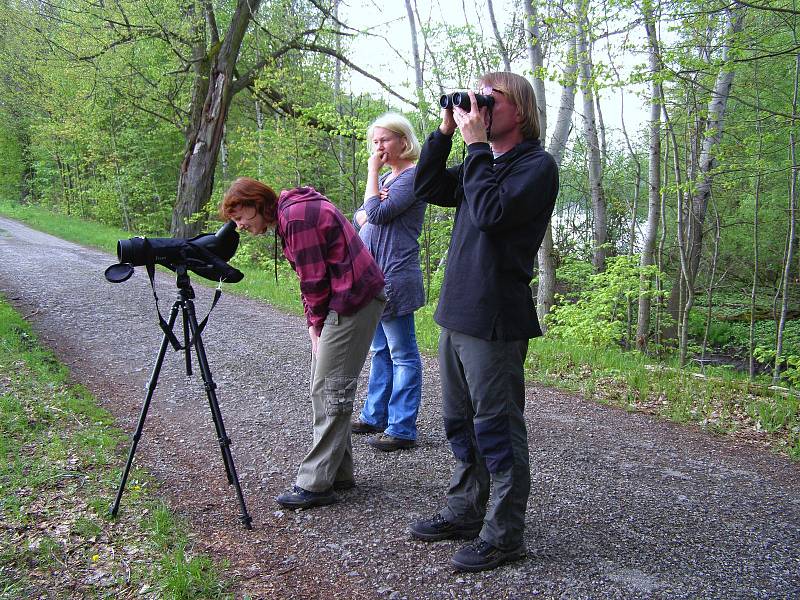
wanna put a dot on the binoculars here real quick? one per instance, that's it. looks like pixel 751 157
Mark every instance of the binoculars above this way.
pixel 461 99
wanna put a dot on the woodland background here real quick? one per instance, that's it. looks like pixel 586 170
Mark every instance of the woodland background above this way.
pixel 674 244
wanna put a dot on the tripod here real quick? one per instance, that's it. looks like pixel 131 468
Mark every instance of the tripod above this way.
pixel 185 304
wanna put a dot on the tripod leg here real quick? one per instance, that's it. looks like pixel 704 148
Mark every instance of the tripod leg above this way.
pixel 187 351
pixel 222 436
pixel 151 388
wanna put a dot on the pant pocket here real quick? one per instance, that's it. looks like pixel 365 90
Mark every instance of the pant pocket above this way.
pixel 339 393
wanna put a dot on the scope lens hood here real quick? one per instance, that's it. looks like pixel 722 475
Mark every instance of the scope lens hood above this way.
pixel 119 272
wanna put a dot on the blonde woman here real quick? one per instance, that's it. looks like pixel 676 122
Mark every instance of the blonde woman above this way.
pixel 389 222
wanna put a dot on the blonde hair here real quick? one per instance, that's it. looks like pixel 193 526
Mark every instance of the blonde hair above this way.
pixel 398 124
pixel 520 93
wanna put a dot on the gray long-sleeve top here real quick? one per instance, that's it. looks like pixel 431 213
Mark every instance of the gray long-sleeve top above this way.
pixel 391 234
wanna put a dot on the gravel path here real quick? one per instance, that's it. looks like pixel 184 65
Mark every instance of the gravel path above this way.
pixel 622 505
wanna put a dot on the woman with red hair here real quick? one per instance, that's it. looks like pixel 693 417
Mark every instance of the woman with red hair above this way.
pixel 342 291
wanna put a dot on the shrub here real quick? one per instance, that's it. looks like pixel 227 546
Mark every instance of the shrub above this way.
pixel 597 316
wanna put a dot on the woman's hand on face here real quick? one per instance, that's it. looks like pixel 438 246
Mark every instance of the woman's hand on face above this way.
pixel 377 160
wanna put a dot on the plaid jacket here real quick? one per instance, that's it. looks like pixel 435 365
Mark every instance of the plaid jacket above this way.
pixel 336 270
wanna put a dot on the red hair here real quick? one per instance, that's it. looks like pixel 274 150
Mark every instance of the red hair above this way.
pixel 248 192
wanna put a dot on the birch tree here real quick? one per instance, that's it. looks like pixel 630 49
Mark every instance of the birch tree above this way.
pixel 654 178
pixel 594 158
pixel 501 46
pixel 545 293
pixel 791 232
pixel 690 230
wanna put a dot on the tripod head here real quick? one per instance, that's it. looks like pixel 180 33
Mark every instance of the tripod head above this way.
pixel 183 282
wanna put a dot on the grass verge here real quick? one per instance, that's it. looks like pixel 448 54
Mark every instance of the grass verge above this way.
pixel 59 470
pixel 719 400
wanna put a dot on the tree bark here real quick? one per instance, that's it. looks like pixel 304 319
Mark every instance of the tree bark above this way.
pixel 792 235
pixel 594 159
pixel 499 38
pixel 205 132
pixel 654 183
pixel 545 293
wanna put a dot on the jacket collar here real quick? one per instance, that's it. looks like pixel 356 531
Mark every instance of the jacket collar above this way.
pixel 527 145
pixel 298 194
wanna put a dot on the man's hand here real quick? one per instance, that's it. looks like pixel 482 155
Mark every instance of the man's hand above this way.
pixel 314 335
pixel 473 123
pixel 448 126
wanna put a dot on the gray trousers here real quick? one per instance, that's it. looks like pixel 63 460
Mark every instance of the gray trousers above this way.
pixel 483 389
pixel 341 353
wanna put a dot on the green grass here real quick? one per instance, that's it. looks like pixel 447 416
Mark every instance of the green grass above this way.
pixel 88 233
pixel 59 459
pixel 721 400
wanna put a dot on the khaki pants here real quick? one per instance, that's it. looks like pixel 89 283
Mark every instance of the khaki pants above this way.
pixel 341 353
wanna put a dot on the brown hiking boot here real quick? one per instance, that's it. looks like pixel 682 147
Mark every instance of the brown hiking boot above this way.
pixel 388 443
pixel 360 426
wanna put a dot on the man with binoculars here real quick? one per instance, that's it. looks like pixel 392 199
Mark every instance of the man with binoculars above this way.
pixel 504 194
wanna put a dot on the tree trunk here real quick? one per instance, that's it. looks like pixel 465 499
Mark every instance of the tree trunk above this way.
pixel 214 75
pixel 712 139
pixel 792 235
pixel 500 45
pixel 545 290
pixel 710 287
pixel 696 209
pixel 751 361
pixel 533 39
pixel 662 240
pixel 600 219
pixel 654 184
pixel 545 293
pixel 337 101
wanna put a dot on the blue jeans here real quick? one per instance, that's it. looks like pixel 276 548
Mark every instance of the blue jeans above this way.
pixel 395 378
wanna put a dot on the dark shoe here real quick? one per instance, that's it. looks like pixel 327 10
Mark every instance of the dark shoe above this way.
pixel 298 497
pixel 438 528
pixel 344 484
pixel 360 426
pixel 388 443
pixel 481 556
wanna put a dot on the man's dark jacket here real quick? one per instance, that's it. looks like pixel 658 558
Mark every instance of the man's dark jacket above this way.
pixel 503 206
